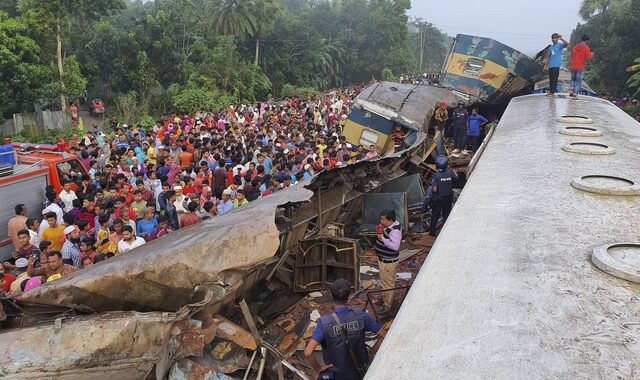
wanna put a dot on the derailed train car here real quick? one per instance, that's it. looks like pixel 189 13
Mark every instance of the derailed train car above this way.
pixel 488 71
pixel 381 106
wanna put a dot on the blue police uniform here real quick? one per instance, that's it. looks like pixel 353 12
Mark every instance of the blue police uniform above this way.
pixel 442 198
pixel 334 351
pixel 459 125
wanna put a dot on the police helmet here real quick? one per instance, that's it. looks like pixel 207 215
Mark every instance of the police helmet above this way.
pixel 441 163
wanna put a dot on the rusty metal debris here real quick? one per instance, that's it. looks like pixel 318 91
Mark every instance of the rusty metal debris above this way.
pixel 322 260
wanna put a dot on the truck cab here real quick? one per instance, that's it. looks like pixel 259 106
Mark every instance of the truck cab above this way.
pixel 24 174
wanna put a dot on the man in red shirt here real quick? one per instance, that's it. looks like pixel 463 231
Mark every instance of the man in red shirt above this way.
pixel 191 217
pixel 580 54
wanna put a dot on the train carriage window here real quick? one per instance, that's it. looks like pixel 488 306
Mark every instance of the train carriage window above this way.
pixel 368 138
pixel 473 66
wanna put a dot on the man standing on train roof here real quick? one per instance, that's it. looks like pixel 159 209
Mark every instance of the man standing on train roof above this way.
pixel 442 189
pixel 459 124
pixel 555 61
pixel 580 54
pixel 342 336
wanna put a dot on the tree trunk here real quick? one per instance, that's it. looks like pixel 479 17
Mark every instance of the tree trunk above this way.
pixel 255 62
pixel 63 100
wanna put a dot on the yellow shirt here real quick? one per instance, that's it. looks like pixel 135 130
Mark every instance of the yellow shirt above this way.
pixel 54 235
pixel 152 155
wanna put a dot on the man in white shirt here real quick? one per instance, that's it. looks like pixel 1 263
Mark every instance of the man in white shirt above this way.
pixel 67 195
pixel 129 240
pixel 54 206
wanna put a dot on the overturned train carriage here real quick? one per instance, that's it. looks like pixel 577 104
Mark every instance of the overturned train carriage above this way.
pixel 384 104
pixel 210 264
pixel 488 71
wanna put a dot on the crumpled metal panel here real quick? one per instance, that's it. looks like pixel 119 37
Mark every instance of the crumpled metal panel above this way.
pixel 162 275
pixel 119 345
pixel 411 105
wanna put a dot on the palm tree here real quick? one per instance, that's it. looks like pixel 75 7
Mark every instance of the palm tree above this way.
pixel 267 12
pixel 245 18
pixel 590 8
pixel 234 18
pixel 634 81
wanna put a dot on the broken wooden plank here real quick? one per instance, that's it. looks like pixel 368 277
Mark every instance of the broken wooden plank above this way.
pixel 230 331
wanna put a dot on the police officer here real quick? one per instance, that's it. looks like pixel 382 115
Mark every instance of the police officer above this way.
pixel 459 124
pixel 342 336
pixel 442 188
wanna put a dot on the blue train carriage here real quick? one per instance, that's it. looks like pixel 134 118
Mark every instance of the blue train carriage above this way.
pixel 564 85
pixel 380 106
pixel 488 71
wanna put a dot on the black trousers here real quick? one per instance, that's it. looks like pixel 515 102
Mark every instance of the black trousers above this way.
pixel 441 205
pixel 554 72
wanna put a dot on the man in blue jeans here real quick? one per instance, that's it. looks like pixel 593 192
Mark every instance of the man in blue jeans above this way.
pixel 580 54
pixel 555 61
pixel 472 138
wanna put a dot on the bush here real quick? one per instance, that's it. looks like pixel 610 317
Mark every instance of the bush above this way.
pixel 387 75
pixel 192 100
pixel 147 121
pixel 290 90
pixel 50 137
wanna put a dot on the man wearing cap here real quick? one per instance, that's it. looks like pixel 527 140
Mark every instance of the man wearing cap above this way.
pixel 342 337
pixel 226 204
pixel 21 269
pixel 555 60
pixel 71 247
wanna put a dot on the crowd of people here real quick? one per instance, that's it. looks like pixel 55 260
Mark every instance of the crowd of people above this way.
pixel 143 183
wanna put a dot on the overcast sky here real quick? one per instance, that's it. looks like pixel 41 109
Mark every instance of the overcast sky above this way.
pixel 525 25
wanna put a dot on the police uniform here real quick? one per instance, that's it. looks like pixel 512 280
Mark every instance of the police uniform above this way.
pixel 442 198
pixel 334 351
pixel 459 125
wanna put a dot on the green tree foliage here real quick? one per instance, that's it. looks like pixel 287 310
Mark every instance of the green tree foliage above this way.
pixel 21 68
pixel 153 56
pixel 589 8
pixel 634 81
pixel 614 40
pixel 52 19
pixel 428 41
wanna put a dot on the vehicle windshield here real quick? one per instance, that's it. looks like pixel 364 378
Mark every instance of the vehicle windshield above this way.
pixel 70 170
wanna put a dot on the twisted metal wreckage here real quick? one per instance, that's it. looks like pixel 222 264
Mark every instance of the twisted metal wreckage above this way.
pixel 152 312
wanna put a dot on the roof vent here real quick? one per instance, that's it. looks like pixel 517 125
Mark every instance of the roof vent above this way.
pixel 580 131
pixel 621 260
pixel 574 119
pixel 583 147
pixel 606 185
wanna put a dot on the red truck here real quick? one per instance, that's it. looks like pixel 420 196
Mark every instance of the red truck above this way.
pixel 24 174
